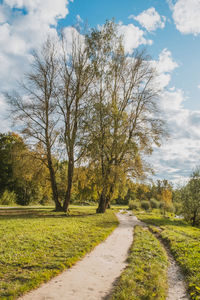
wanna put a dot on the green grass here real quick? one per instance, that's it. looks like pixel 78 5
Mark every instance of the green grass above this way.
pixel 145 278
pixel 184 242
pixel 37 244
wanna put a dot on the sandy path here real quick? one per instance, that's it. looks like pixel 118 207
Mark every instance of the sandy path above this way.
pixel 176 282
pixel 93 277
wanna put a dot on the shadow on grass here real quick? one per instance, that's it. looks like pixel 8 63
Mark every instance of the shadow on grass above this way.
pixel 24 208
pixel 42 216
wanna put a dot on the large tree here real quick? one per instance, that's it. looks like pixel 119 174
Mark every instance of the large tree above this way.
pixel 123 121
pixel 34 107
pixel 51 109
pixel 76 76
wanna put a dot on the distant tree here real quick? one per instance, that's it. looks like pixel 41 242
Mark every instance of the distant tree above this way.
pixel 191 198
pixel 10 145
pixel 177 200
pixel 21 172
pixel 85 184
pixel 166 196
pixel 142 192
pixel 31 177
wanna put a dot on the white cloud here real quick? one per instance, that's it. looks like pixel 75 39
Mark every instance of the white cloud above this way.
pixel 179 155
pixel 22 31
pixel 164 66
pixel 150 19
pixel 4 121
pixel 172 100
pixel 133 37
pixel 166 62
pixel 47 10
pixel 72 35
pixel 186 15
pixel 2 15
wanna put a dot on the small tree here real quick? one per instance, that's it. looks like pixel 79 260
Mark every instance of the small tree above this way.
pixel 191 198
pixel 166 199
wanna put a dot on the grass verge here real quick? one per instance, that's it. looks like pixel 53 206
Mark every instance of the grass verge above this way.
pixel 184 243
pixel 37 244
pixel 146 274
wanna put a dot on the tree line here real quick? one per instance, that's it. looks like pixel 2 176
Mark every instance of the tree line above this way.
pixel 25 180
pixel 86 102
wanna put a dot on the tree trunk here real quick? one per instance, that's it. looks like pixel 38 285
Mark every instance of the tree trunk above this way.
pixel 194 218
pixel 102 204
pixel 69 184
pixel 58 206
pixel 109 197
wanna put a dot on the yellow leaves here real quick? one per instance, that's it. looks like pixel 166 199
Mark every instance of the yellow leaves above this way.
pixel 167 196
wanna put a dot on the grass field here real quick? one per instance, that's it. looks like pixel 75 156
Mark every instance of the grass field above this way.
pixel 37 243
pixel 146 274
pixel 184 242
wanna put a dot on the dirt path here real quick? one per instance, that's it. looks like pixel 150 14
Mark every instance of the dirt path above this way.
pixel 93 277
pixel 176 282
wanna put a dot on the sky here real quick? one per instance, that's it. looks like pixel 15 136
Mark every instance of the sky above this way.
pixel 168 29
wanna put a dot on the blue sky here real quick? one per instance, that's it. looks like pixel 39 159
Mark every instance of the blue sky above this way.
pixel 185 48
pixel 170 31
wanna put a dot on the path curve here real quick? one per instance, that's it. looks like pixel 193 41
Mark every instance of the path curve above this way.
pixel 93 276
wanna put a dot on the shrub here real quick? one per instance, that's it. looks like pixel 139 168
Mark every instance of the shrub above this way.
pixel 145 205
pixel 154 203
pixel 170 209
pixel 161 205
pixel 178 208
pixel 133 205
pixel 8 198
